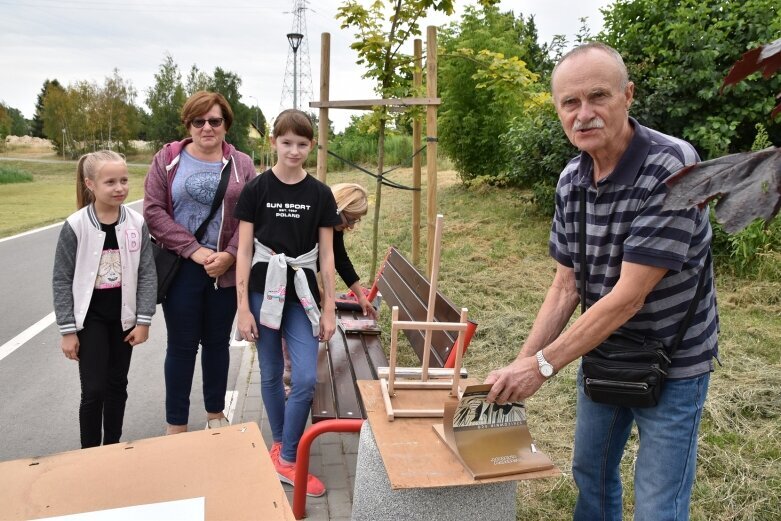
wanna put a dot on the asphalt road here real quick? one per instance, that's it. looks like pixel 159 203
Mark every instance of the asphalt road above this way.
pixel 39 387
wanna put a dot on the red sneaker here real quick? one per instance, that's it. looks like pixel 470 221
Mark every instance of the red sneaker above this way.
pixel 274 452
pixel 287 474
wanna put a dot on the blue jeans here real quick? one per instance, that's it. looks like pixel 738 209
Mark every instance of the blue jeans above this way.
pixel 196 313
pixel 666 459
pixel 287 417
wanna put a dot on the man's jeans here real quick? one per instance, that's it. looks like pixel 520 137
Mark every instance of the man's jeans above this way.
pixel 196 313
pixel 287 418
pixel 666 460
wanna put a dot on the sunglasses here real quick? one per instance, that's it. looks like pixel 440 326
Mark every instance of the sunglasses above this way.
pixel 350 222
pixel 213 122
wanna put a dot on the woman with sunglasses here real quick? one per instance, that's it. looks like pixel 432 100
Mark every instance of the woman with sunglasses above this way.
pixel 200 305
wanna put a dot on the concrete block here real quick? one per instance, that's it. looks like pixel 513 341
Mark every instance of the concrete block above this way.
pixel 374 499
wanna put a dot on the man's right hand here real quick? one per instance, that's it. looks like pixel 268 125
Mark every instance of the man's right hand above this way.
pixel 514 382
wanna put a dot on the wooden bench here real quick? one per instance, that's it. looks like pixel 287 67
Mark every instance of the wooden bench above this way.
pixel 349 357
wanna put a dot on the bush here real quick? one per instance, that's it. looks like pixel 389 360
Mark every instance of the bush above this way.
pixel 537 150
pixel 753 251
pixel 544 197
pixel 10 175
pixel 361 149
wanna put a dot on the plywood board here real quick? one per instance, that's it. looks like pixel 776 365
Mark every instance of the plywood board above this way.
pixel 413 454
pixel 229 467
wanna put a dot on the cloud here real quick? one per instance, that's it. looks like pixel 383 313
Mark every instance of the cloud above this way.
pixel 75 40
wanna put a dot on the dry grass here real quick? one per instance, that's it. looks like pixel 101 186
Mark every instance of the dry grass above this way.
pixel 495 262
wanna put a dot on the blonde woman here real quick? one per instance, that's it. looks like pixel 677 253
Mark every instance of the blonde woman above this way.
pixel 351 204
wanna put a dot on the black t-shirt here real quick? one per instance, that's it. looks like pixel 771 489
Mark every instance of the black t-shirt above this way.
pixel 106 302
pixel 344 266
pixel 287 219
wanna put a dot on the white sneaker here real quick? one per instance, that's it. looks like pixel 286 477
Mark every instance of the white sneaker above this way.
pixel 216 423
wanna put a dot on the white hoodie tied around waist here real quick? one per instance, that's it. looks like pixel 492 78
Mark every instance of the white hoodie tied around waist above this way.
pixel 276 285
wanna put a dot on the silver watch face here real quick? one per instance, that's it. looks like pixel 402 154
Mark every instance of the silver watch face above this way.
pixel 546 369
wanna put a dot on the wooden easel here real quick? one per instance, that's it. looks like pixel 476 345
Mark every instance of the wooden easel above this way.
pixel 451 377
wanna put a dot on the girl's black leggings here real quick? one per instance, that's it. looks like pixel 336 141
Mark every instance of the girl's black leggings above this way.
pixel 104 361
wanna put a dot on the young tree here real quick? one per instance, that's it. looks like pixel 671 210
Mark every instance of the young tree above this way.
pixel 382 28
pixel 165 100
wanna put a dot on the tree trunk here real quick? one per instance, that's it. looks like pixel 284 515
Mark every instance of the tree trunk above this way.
pixel 378 191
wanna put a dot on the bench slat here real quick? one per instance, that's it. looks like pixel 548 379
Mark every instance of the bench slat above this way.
pixel 402 289
pixel 324 403
pixel 348 404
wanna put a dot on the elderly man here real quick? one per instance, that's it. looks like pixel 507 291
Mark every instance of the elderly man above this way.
pixel 642 271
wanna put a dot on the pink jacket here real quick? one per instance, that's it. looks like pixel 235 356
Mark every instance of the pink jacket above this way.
pixel 159 206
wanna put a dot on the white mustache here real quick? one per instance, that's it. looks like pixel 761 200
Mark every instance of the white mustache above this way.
pixel 594 123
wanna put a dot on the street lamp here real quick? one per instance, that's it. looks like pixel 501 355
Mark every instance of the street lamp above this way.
pixel 295 41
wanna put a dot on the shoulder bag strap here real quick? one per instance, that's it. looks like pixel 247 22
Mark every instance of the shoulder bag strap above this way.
pixel 217 201
pixel 692 305
pixel 582 241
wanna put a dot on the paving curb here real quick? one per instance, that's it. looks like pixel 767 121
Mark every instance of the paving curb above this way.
pixel 243 382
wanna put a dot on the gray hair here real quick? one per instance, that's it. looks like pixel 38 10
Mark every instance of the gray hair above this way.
pixel 596 46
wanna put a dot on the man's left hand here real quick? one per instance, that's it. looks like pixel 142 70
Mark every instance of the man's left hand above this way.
pixel 515 382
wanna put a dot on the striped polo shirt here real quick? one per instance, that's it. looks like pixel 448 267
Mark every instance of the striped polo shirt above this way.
pixel 625 222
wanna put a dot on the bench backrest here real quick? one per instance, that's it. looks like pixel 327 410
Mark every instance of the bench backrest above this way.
pixel 402 285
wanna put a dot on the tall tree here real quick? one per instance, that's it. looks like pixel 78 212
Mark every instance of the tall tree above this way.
pixel 15 123
pixel 165 100
pixel 57 116
pixel 37 121
pixel 227 83
pixel 485 75
pixel 678 52
pixel 119 121
pixel 86 116
pixel 198 80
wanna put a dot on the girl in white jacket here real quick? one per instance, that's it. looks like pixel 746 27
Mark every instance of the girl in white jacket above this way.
pixel 105 289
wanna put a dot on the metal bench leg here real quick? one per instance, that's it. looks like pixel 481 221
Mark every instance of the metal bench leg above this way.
pixel 302 457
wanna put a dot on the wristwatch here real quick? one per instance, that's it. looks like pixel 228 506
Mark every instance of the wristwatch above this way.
pixel 546 369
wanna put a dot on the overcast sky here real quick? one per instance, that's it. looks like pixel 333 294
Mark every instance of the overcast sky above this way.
pixel 74 40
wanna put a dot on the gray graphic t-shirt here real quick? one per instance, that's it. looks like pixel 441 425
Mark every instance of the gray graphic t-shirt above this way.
pixel 193 192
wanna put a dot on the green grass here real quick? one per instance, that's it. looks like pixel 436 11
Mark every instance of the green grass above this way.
pixel 495 262
pixel 50 197
pixel 10 175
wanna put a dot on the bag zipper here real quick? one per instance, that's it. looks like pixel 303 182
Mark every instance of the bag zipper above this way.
pixel 612 383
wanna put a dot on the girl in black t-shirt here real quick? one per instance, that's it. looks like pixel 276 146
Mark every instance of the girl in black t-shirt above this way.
pixel 286 227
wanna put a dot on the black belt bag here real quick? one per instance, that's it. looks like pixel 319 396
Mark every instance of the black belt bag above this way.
pixel 627 369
